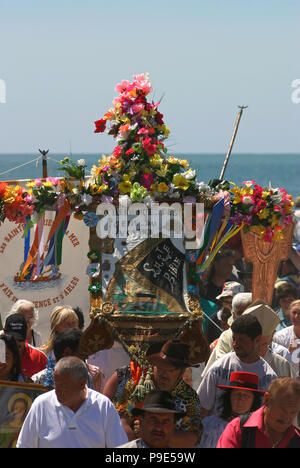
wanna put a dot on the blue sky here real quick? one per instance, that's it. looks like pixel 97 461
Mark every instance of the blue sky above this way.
pixel 61 59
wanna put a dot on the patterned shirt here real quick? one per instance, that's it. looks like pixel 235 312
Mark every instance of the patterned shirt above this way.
pixel 185 399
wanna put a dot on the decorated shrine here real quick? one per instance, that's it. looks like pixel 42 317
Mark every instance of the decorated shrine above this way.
pixel 144 284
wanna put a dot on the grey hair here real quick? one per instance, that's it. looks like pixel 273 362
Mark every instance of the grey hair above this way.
pixel 73 366
pixel 241 300
pixel 24 302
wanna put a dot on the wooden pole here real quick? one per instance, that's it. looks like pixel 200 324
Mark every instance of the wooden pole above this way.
pixel 232 140
pixel 45 170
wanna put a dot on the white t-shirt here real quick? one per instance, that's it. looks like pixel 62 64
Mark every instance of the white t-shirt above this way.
pixel 51 425
pixel 286 337
pixel 219 374
pixel 108 360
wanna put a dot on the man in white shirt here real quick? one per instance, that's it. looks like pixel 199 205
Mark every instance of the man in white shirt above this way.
pixel 72 415
pixel 246 341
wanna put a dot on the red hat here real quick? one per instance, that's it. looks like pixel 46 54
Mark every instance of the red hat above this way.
pixel 244 381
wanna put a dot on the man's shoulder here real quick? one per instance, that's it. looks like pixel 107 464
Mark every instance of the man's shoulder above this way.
pixel 228 358
pixel 99 399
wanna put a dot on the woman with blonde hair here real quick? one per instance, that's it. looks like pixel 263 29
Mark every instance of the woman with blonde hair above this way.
pixel 62 318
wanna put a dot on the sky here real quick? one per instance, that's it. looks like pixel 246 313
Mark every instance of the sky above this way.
pixel 61 59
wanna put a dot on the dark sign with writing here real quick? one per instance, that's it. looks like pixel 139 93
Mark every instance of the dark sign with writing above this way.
pixel 163 266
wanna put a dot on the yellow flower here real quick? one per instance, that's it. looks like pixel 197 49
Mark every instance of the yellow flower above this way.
pixel 98 189
pixel 173 160
pixel 166 131
pixel 264 194
pixel 125 186
pixel 246 190
pixel 263 214
pixel 184 163
pixel 162 172
pixel 180 182
pixel 10 194
pixel 162 187
pixel 156 160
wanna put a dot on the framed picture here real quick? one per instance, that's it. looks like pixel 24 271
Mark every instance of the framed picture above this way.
pixel 16 399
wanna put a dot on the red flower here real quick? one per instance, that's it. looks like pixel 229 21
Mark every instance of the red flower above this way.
pixel 100 126
pixel 129 152
pixel 3 186
pixel 148 146
pixel 159 118
pixel 261 204
pixel 147 181
pixel 117 152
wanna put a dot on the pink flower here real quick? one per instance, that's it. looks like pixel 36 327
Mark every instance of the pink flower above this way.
pixel 121 87
pixel 147 181
pixel 54 180
pixel 249 182
pixel 142 83
pixel 28 198
pixel 38 182
pixel 143 131
pixel 247 199
pixel 136 108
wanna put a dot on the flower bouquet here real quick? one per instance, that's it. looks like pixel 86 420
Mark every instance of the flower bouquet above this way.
pixel 13 203
pixel 72 169
pixel 139 166
pixel 41 194
pixel 264 210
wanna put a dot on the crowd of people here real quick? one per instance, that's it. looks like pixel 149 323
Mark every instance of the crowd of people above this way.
pixel 246 395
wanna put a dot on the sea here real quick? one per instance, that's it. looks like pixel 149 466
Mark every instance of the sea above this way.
pixel 279 169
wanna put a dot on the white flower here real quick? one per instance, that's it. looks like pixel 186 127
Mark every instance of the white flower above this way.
pixel 86 199
pixel 190 174
pixel 81 162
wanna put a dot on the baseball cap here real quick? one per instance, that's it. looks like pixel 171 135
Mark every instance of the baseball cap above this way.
pixel 16 326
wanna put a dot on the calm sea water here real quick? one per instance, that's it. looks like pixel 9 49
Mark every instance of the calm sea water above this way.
pixel 282 170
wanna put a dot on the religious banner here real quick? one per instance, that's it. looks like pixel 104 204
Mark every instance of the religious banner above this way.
pixel 16 399
pixel 56 273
